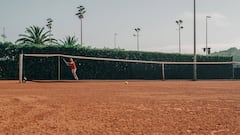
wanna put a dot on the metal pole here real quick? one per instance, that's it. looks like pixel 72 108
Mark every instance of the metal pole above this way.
pixel 179 38
pixel 138 41
pixel 163 72
pixel 4 36
pixel 115 40
pixel 207 34
pixel 59 68
pixel 206 37
pixel 20 68
pixel 137 30
pixel 81 30
pixel 51 36
pixel 179 22
pixel 194 55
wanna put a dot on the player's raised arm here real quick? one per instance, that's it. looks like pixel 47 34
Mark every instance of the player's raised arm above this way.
pixel 65 62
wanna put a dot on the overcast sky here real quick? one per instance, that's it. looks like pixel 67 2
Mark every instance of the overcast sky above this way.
pixel 103 18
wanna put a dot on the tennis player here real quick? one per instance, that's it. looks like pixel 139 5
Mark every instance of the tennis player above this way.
pixel 73 67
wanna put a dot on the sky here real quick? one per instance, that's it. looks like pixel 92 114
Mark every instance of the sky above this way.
pixel 156 19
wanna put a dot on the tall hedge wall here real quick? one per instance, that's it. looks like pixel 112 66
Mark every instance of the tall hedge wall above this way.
pixel 46 68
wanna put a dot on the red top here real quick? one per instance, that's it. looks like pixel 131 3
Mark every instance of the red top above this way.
pixel 72 65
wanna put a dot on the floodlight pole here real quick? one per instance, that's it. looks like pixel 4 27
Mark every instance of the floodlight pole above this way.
pixel 179 23
pixel 81 32
pixel 194 43
pixel 207 34
pixel 137 31
pixel 4 35
pixel 179 39
pixel 115 40
pixel 80 13
pixel 49 25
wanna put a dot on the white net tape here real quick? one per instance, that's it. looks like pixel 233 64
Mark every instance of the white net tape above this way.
pixel 133 61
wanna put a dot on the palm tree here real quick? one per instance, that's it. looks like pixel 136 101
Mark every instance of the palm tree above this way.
pixel 69 41
pixel 35 35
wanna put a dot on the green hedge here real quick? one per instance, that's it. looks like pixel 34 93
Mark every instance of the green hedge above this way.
pixel 46 68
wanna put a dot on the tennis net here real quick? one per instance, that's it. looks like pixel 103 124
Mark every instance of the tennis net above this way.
pixel 52 67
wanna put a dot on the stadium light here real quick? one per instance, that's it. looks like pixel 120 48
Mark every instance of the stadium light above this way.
pixel 194 42
pixel 179 23
pixel 81 11
pixel 137 35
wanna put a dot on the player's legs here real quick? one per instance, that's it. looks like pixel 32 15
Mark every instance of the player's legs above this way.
pixel 74 74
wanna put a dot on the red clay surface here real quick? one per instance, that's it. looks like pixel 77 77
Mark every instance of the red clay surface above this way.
pixel 113 107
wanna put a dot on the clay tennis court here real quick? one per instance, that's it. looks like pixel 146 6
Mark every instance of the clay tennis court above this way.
pixel 113 107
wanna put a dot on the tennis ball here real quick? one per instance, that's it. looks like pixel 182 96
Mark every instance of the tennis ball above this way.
pixel 126 82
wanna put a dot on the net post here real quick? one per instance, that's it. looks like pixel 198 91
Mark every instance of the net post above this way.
pixel 20 68
pixel 59 68
pixel 163 72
